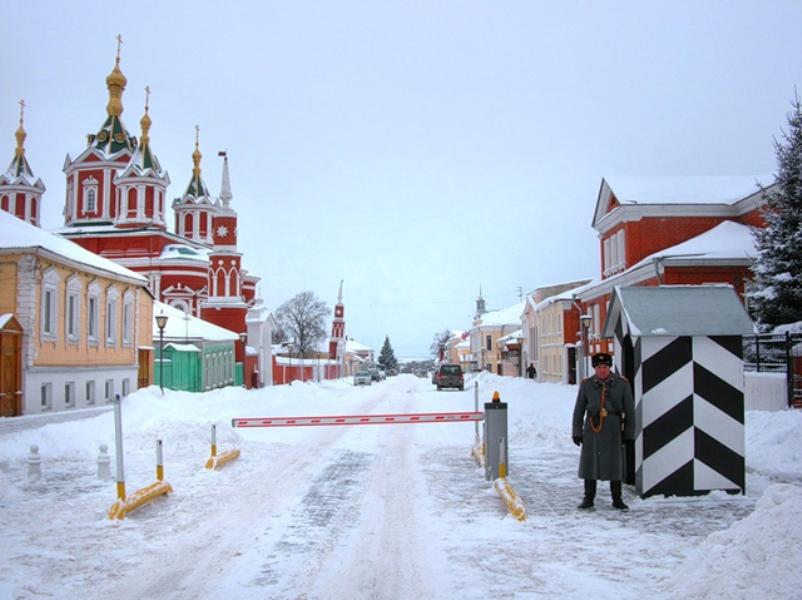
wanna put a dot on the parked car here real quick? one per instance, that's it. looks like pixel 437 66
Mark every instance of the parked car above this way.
pixel 376 374
pixel 449 376
pixel 362 378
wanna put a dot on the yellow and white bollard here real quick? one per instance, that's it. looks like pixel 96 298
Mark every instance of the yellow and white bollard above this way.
pixel 126 504
pixel 514 504
pixel 216 461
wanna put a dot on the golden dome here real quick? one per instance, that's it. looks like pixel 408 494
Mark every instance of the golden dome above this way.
pixel 115 82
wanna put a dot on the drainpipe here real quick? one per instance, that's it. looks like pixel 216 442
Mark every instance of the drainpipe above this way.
pixel 657 264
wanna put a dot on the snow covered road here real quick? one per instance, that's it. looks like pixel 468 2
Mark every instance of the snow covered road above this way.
pixel 397 511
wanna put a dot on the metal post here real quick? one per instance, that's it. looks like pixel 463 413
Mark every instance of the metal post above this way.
pixel 118 441
pixel 159 461
pixel 757 352
pixel 789 369
pixel 214 441
pixel 476 407
pixel 161 359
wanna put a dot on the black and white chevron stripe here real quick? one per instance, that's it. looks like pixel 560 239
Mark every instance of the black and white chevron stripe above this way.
pixel 689 407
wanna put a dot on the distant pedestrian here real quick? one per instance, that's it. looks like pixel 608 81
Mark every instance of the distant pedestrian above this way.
pixel 604 416
pixel 531 372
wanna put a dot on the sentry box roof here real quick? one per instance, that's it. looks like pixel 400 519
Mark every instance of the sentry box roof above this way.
pixel 677 310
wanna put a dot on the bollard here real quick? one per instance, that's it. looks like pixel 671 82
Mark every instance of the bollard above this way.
pixel 495 437
pixel 34 464
pixel 118 444
pixel 215 461
pixel 104 463
pixel 159 461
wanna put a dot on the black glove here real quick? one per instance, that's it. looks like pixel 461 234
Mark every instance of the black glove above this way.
pixel 578 440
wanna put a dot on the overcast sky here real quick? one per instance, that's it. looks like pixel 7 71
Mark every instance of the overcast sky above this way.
pixel 416 150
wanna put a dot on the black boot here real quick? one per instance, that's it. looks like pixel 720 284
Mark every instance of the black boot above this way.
pixel 615 492
pixel 590 494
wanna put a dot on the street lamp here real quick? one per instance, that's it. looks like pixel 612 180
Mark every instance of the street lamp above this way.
pixel 584 326
pixel 161 321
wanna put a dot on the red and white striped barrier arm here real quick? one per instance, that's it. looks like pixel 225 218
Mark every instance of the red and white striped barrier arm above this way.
pixel 449 417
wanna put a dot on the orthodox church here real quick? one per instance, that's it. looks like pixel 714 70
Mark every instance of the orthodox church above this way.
pixel 115 206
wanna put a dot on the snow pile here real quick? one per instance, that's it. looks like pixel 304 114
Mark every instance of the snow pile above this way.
pixel 773 444
pixel 766 546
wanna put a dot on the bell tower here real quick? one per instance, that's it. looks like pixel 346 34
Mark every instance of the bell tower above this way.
pixel 337 340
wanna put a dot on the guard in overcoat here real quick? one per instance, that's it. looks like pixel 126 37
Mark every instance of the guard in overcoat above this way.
pixel 604 417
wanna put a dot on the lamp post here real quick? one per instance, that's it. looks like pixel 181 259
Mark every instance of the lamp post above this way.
pixel 584 325
pixel 161 321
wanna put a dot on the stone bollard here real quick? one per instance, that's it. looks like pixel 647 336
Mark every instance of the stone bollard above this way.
pixel 104 463
pixel 34 464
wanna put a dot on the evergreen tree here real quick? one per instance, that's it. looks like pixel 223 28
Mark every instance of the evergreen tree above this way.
pixel 387 360
pixel 777 298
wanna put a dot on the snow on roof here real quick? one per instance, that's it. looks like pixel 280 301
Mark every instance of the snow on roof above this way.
pixel 184 251
pixel 5 318
pixel 678 310
pixel 352 346
pixel 180 325
pixel 565 295
pixel 726 240
pixel 18 234
pixel 707 189
pixel 512 336
pixel 183 347
pixel 505 316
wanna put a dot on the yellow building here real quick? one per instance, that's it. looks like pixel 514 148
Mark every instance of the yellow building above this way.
pixel 84 323
pixel 487 328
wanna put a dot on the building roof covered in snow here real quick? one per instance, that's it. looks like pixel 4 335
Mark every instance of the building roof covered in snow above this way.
pixel 181 325
pixel 19 235
pixel 678 310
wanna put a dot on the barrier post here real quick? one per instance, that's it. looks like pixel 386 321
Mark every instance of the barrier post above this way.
pixel 214 441
pixel 159 461
pixel 476 408
pixel 495 429
pixel 118 443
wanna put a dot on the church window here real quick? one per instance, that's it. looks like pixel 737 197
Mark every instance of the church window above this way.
pixel 90 195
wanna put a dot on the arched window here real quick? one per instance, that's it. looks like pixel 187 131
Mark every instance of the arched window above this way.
pixel 188 225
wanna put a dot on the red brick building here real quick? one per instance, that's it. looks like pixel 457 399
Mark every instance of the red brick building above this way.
pixel 672 230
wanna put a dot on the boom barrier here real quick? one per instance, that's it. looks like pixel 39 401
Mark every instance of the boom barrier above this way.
pixel 392 419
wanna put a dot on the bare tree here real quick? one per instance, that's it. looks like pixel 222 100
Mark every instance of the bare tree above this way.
pixel 302 318
pixel 438 347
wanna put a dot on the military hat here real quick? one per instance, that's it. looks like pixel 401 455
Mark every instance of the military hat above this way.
pixel 601 358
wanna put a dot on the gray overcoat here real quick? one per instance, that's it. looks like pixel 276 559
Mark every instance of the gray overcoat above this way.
pixel 602 455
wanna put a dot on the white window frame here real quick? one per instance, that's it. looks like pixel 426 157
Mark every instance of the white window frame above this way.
pixel 128 318
pixel 72 310
pixel 126 386
pixel 93 314
pixel 90 189
pixel 112 300
pixel 90 391
pixel 109 390
pixel 49 309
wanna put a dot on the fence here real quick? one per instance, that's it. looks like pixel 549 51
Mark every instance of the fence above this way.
pixel 777 353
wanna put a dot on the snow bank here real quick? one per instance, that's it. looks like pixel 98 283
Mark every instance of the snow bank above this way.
pixel 766 546
pixel 774 444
